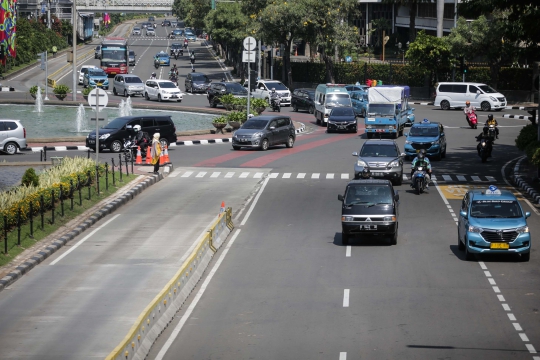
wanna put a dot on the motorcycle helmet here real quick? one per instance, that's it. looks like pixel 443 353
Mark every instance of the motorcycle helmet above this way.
pixel 468 103
pixel 366 174
pixel 422 154
pixel 137 128
pixel 250 116
pixel 154 74
pixel 273 90
pixel 490 117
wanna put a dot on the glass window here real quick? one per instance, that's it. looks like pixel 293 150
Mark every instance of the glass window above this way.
pixel 445 88
pixel 273 123
pixel 335 100
pixel 2 126
pixel 167 85
pixel 281 123
pixel 377 150
pixel 461 89
pixel 495 209
pixel 473 89
pixel 381 109
pixel 255 124
pixel 368 194
pixel 342 112
pixel 117 123
pixel 297 93
pixel 276 85
pixel 162 122
pixel 145 123
pixel 10 125
pixel 133 80
pixel 487 89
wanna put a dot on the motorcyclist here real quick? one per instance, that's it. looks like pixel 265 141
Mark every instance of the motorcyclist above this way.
pixel 274 96
pixel 484 135
pixel 422 160
pixel 175 69
pixel 186 43
pixel 192 57
pixel 490 121
pixel 141 138
pixel 153 76
pixel 468 109
pixel 365 174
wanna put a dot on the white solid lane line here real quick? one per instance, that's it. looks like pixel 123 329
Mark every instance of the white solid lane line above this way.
pixel 348 251
pixel 255 201
pixel 200 293
pixel 346 297
pixel 83 240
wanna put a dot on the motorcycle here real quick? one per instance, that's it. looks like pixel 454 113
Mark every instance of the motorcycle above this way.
pixel 472 120
pixel 185 44
pixel 419 180
pixel 176 54
pixel 485 146
pixel 130 150
pixel 156 64
pixel 275 104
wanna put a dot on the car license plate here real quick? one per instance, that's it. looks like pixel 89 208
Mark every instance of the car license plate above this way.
pixel 174 96
pixel 91 141
pixel 499 246
pixel 380 130
pixel 377 174
pixel 99 85
pixel 368 227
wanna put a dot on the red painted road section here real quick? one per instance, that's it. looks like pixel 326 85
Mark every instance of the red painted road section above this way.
pixel 266 159
pixel 223 158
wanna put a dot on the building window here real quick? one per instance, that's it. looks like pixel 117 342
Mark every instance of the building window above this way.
pixel 430 11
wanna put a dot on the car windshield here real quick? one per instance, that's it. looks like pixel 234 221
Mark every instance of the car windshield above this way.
pixel 368 195
pixel 487 89
pixel 163 55
pixel 427 131
pixel 276 85
pixel 167 85
pixel 342 112
pixel 137 28
pixel 131 53
pixel 96 72
pixel 255 124
pixel 188 32
pixel 200 78
pixel 236 88
pixel 133 80
pixel 495 209
pixel 117 123
pixel 377 150
pixel 381 109
pixel 337 100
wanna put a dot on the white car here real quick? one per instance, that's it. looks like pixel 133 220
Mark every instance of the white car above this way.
pixel 150 31
pixel 136 31
pixel 84 70
pixel 162 90
pixel 263 88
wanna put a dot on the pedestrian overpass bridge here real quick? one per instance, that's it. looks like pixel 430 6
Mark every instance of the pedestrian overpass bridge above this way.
pixel 125 6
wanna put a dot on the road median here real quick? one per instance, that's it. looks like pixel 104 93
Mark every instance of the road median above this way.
pixel 51 79
pixel 162 309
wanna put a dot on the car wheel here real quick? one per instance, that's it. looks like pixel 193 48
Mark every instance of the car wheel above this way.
pixel 114 91
pixel 525 257
pixel 236 147
pixel 146 96
pixel 468 255
pixel 213 103
pixel 264 145
pixel 116 146
pixel 445 105
pixel 11 148
pixel 486 106
pixel 460 245
pixel 294 108
pixel 311 110
pixel 364 113
pixel 393 239
pixel 164 143
pixel 290 142
pixel 443 155
pixel 125 93
pixel 345 238
pixel 159 97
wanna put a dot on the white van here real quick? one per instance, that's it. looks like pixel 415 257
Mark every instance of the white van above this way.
pixel 328 96
pixel 481 96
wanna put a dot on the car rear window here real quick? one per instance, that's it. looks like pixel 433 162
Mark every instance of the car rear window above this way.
pixel 378 150
pixel 133 80
pixel 495 209
pixel 8 125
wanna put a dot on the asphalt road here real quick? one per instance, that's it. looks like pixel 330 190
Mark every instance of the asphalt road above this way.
pixel 288 288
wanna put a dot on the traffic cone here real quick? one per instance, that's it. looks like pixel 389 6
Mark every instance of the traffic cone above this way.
pixel 166 155
pixel 161 159
pixel 222 209
pixel 138 159
pixel 148 156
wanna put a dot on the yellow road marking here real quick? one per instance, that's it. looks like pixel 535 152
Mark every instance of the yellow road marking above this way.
pixel 456 192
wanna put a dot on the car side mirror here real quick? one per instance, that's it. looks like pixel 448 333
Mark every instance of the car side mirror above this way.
pixel 463 213
pixel 129 127
pixel 527 214
pixel 272 128
pixel 355 154
pixel 403 155
pixel 412 109
pixel 478 92
pixel 340 197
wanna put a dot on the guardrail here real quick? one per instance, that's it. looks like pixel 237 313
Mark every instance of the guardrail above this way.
pixel 51 81
pixel 162 309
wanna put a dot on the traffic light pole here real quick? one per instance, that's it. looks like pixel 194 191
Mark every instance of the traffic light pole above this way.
pixel 46 77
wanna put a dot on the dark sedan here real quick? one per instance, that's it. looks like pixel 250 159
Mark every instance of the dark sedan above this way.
pixel 303 99
pixel 342 119
pixel 218 89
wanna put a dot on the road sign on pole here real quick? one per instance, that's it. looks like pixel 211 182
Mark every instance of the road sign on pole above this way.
pixel 250 43
pixel 249 56
pixel 97 99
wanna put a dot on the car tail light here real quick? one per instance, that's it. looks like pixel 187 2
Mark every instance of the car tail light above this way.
pixel 24 132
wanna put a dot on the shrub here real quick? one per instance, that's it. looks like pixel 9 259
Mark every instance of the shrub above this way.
pixel 238 116
pixel 220 120
pixel 30 178
pixel 34 90
pixel 258 105
pixel 227 99
pixel 527 135
pixel 85 91
pixel 531 150
pixel 61 89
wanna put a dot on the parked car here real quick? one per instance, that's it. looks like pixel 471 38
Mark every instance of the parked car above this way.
pixel 491 221
pixel 342 119
pixel 128 85
pixel 136 31
pixel 196 82
pixel 97 52
pixel 264 131
pixel 96 78
pixel 429 136
pixel 383 158
pixel 12 136
pixel 455 94
pixel 84 70
pixel 131 57
pixel 369 207
pixel 162 90
pixel 218 89
pixel 303 99
pixel 111 136
pixel 150 31
pixel 164 58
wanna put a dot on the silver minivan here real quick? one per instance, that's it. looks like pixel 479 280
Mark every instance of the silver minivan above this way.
pixel 128 85
pixel 12 136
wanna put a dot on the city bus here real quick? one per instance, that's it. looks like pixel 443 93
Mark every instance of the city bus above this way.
pixel 114 55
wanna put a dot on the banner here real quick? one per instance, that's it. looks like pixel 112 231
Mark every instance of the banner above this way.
pixel 106 19
pixel 7 28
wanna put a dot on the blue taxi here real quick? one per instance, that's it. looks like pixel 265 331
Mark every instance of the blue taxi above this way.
pixel 426 135
pixel 492 221
pixel 359 101
pixel 163 58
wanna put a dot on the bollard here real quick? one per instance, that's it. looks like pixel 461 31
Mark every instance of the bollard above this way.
pixel 97 179
pixel 132 165
pixel 62 199
pixel 106 176
pixel 41 155
pixel 79 185
pixel 71 192
pixel 120 165
pixel 32 219
pixel 88 156
pixel 42 211
pixel 44 153
pixel 88 184
pixel 52 206
pixel 112 170
pixel 19 227
pixel 127 166
pixel 5 235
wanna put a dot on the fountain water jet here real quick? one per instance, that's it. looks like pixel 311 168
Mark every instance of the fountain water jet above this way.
pixel 127 107
pixel 122 108
pixel 81 119
pixel 39 101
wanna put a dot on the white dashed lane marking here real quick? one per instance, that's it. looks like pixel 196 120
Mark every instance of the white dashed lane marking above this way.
pixel 346 297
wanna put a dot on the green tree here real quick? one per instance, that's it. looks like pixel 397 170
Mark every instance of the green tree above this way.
pixel 430 53
pixel 192 11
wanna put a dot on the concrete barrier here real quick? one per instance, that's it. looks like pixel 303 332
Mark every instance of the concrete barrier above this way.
pixel 159 313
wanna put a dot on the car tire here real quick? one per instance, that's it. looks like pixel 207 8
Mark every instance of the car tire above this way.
pixel 525 257
pixel 443 154
pixel 236 147
pixel 468 256
pixel 345 238
pixel 11 148
pixel 146 96
pixel 159 98
pixel 164 143
pixel 125 93
pixel 290 142
pixel 328 131
pixel 460 245
pixel 311 110
pixel 264 145
pixel 445 105
pixel 116 146
pixel 294 108
pixel 114 91
pixel 485 106
pixel 399 181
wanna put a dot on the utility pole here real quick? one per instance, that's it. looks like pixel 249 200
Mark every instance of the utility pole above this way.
pixel 260 59
pixel 74 39
pixel 49 14
pixel 440 15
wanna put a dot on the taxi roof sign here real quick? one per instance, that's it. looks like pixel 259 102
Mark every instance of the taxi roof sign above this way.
pixel 493 190
pixel 425 121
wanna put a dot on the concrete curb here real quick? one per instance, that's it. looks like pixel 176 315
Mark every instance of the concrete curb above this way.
pixel 518 180
pixel 421 103
pixel 520 117
pixel 91 220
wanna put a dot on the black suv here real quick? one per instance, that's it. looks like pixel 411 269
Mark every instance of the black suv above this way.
pixel 303 99
pixel 166 23
pixel 112 135
pixel 218 89
pixel 369 207
pixel 175 46
pixel 197 82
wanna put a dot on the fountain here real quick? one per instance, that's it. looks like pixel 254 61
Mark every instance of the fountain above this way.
pixel 128 107
pixel 81 123
pixel 38 107
pixel 122 108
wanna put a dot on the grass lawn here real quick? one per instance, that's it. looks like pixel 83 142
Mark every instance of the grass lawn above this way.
pixel 26 241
